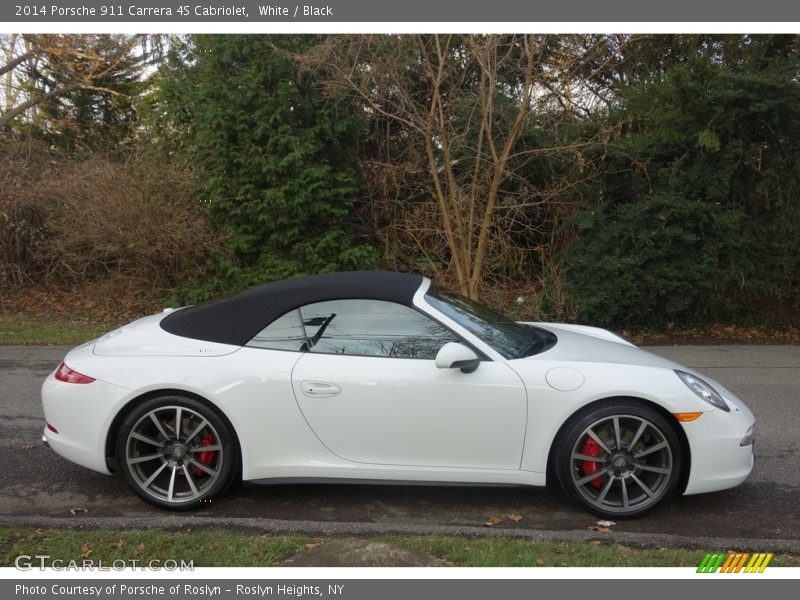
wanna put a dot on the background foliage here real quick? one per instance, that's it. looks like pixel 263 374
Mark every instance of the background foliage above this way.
pixel 278 158
pixel 648 180
pixel 695 217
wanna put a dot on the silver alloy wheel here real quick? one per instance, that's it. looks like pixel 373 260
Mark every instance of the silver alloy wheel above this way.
pixel 633 463
pixel 174 454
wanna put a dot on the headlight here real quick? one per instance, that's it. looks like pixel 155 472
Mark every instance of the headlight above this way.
pixel 703 390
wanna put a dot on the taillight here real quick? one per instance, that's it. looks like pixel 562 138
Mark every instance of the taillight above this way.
pixel 67 375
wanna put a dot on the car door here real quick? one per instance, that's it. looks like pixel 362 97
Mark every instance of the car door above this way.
pixel 369 389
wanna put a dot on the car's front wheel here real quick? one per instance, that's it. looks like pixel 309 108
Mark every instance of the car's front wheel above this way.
pixel 619 459
pixel 176 452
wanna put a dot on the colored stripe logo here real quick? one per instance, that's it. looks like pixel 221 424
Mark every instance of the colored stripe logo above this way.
pixel 734 562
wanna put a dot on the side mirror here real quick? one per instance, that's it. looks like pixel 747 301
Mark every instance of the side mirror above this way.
pixel 457 356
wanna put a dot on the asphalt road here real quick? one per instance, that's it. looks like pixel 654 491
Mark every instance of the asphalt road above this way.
pixel 39 488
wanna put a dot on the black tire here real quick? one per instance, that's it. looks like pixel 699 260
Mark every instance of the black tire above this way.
pixel 195 465
pixel 629 479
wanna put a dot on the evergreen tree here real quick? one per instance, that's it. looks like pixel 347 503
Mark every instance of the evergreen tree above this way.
pixel 695 218
pixel 277 156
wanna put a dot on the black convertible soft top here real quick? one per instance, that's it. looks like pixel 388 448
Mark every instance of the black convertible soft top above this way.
pixel 237 319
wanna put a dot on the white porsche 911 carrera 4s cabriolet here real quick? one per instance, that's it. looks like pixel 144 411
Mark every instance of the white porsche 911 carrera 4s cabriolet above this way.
pixel 377 376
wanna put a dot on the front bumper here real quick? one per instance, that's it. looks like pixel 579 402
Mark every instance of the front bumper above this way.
pixel 82 414
pixel 719 461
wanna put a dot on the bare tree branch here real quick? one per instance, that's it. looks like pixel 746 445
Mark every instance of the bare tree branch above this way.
pixel 13 64
pixel 452 184
pixel 10 115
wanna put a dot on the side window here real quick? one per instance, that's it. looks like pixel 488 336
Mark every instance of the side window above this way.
pixel 372 328
pixel 355 327
pixel 284 333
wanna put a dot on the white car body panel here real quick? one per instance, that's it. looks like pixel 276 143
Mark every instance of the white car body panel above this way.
pixel 84 414
pixel 549 408
pixel 144 337
pixel 406 408
pixel 576 346
pixel 602 334
pixel 392 419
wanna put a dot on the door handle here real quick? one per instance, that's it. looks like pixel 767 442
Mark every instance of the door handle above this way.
pixel 320 389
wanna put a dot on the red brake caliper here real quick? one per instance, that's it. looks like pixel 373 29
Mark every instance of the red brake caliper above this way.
pixel 206 457
pixel 591 448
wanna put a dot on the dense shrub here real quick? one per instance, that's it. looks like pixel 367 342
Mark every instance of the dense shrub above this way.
pixel 695 216
pixel 655 260
pixel 65 221
pixel 279 159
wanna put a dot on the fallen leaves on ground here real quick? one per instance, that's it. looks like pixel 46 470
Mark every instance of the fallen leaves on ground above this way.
pixel 718 333
pixel 493 520
pixel 100 301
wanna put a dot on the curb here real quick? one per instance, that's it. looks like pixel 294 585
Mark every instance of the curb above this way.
pixel 275 526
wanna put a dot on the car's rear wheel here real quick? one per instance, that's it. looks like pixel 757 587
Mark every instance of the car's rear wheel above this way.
pixel 176 452
pixel 619 459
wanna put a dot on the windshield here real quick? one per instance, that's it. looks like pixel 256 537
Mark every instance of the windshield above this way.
pixel 511 339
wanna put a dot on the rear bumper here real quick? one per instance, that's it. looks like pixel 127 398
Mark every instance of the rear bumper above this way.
pixel 719 461
pixel 82 414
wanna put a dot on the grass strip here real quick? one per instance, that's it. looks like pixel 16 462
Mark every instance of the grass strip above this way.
pixel 220 548
pixel 17 329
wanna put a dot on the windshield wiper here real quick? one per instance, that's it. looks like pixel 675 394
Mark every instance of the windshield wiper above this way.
pixel 528 351
pixel 323 323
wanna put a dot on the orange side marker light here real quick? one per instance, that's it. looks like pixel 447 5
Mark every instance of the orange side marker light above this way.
pixel 687 416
